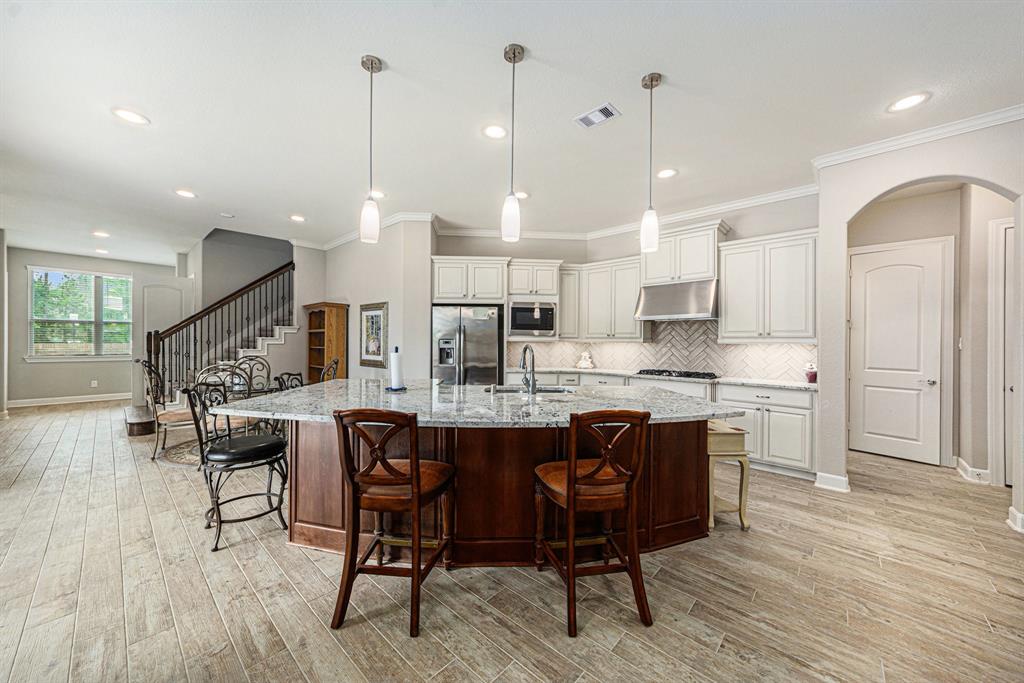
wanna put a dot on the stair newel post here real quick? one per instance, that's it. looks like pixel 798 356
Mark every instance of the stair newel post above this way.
pixel 154 353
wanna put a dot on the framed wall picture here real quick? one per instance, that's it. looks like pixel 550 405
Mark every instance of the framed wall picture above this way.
pixel 373 335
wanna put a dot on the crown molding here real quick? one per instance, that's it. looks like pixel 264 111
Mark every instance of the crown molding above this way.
pixel 712 210
pixel 483 232
pixel 304 243
pixel 393 219
pixel 919 137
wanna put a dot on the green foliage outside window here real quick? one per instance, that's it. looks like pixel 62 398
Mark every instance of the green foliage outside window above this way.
pixel 64 321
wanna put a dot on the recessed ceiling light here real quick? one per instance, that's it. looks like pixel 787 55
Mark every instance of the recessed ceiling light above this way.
pixel 522 195
pixel 100 233
pixel 102 251
pixel 908 102
pixel 227 215
pixel 667 172
pixel 297 218
pixel 377 194
pixel 495 132
pixel 130 116
pixel 186 193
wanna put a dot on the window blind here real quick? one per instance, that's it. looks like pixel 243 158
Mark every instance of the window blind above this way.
pixel 79 314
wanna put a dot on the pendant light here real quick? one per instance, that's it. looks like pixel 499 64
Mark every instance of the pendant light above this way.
pixel 369 219
pixel 510 209
pixel 649 222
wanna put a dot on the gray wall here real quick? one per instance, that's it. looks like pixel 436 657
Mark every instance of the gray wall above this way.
pixel 61 378
pixel 230 260
pixel 3 324
pixel 570 251
pixel 395 270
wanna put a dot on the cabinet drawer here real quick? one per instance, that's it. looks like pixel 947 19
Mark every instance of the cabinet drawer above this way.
pixel 569 380
pixel 602 380
pixel 769 395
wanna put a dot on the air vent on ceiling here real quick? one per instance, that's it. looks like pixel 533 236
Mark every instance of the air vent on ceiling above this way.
pixel 598 116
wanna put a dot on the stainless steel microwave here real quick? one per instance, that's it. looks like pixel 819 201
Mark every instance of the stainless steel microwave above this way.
pixel 531 319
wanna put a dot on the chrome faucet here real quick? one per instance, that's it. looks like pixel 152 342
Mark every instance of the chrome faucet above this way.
pixel 529 377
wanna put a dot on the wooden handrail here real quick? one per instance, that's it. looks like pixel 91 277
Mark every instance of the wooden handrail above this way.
pixel 224 300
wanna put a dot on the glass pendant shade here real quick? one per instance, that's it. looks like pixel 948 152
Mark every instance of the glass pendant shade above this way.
pixel 369 222
pixel 510 219
pixel 649 230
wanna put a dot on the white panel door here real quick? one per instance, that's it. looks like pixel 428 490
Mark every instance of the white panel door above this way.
pixel 486 281
pixel 545 279
pixel 1011 354
pixel 750 421
pixel 157 303
pixel 450 281
pixel 789 290
pixel 520 279
pixel 787 436
pixel 741 298
pixel 696 255
pixel 625 291
pixel 896 310
pixel 660 266
pixel 569 304
pixel 597 292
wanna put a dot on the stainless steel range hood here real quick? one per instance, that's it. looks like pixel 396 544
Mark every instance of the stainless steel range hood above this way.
pixel 681 301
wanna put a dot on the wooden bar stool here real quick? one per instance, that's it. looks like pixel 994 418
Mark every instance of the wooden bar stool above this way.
pixel 604 484
pixel 727 443
pixel 386 484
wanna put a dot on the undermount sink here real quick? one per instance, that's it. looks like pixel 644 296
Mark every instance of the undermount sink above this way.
pixel 519 389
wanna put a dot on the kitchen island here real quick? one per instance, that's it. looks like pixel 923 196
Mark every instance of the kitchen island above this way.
pixel 495 440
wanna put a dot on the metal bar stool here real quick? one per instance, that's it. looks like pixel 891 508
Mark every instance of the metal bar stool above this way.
pixel 223 452
pixel 604 484
pixel 386 484
pixel 727 443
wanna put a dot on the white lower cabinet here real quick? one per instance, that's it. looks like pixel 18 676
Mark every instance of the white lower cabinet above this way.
pixel 779 424
pixel 602 381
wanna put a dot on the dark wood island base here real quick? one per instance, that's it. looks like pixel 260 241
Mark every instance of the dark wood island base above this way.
pixel 494 502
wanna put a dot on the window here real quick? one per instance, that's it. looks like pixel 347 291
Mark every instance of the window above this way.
pixel 75 314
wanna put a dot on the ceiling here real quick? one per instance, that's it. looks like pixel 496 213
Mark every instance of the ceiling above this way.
pixel 261 108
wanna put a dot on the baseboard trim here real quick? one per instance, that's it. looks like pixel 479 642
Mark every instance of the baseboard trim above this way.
pixel 1015 520
pixel 57 400
pixel 785 471
pixel 832 482
pixel 972 474
pixel 4 415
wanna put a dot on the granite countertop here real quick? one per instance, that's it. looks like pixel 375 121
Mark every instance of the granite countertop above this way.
pixel 737 381
pixel 470 406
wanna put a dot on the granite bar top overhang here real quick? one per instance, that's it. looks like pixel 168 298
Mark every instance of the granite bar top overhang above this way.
pixel 471 406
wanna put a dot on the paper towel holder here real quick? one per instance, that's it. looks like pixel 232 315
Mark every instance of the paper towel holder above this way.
pixel 396 375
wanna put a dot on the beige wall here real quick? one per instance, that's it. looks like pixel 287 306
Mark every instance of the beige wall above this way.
pixel 913 218
pixel 766 219
pixel 65 378
pixel 3 324
pixel 395 270
pixel 570 251
pixel 978 207
pixel 989 156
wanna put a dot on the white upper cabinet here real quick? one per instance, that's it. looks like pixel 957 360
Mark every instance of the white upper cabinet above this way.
pixel 766 289
pixel 533 276
pixel 597 299
pixel 472 280
pixel 609 291
pixel 569 304
pixel 684 255
pixel 625 290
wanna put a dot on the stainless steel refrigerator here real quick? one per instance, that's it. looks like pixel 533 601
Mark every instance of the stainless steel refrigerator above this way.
pixel 468 344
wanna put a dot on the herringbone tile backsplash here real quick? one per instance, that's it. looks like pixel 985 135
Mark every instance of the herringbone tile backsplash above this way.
pixel 682 345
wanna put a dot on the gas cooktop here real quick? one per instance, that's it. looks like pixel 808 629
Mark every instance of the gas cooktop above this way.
pixel 688 374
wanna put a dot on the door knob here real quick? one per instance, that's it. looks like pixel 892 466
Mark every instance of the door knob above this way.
pixel 929 382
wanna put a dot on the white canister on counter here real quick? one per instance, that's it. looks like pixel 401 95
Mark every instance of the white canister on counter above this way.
pixel 395 368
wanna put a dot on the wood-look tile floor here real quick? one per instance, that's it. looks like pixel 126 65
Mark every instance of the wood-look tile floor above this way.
pixel 105 575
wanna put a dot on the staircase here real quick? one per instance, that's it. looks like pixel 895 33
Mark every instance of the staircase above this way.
pixel 246 322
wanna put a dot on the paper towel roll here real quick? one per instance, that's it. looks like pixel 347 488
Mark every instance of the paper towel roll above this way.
pixel 395 366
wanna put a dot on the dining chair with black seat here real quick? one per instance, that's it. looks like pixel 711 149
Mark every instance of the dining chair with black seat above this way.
pixel 223 452
pixel 164 419
pixel 289 380
pixel 331 371
pixel 393 480
pixel 603 484
pixel 257 372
